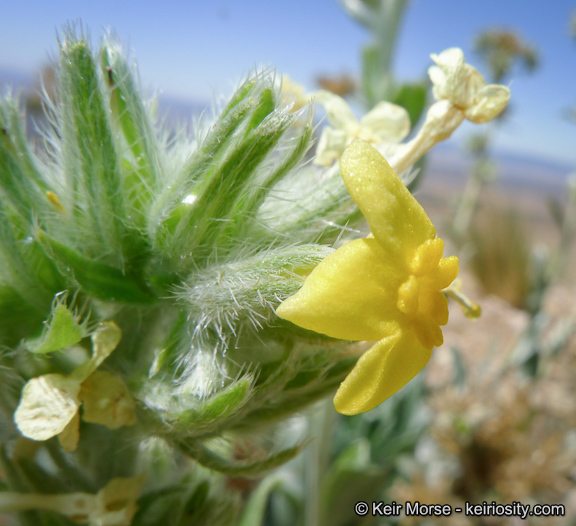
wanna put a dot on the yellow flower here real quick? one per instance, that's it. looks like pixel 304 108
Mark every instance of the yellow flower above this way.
pixel 385 287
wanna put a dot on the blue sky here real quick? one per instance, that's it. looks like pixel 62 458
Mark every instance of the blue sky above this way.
pixel 195 49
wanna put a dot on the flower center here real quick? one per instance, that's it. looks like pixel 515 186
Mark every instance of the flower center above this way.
pixel 419 296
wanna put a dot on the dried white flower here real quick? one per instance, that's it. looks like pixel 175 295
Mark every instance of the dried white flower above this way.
pixel 49 404
pixel 107 401
pixel 293 93
pixel 461 93
pixel 385 124
pixel 113 505
pixel 460 83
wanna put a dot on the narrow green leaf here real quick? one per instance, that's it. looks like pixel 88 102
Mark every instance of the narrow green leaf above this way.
pixel 264 108
pixel 240 95
pixel 248 203
pixel 217 408
pixel 130 115
pixel 20 178
pixel 23 263
pixel 167 210
pixel 212 460
pixel 97 279
pixel 412 96
pixel 94 185
pixel 253 513
pixel 199 228
pixel 295 156
pixel 211 148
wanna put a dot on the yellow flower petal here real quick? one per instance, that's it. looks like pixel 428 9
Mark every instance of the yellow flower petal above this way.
pixel 427 257
pixel 349 294
pixel 435 305
pixel 386 287
pixel 397 220
pixel 443 275
pixel 381 371
pixel 428 331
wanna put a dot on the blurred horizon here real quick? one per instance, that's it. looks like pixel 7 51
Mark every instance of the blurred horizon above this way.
pixel 192 52
pixel 448 161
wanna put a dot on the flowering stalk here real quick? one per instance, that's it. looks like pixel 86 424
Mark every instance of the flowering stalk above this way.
pixel 382 18
pixel 141 273
pixel 460 91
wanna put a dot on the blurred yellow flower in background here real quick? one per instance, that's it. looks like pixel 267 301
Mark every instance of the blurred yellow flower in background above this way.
pixel 385 287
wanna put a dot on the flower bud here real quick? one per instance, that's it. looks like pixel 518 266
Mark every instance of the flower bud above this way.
pixel 465 87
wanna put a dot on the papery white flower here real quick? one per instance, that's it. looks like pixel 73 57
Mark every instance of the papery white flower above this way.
pixel 114 505
pixel 50 403
pixel 107 401
pixel 463 85
pixel 385 123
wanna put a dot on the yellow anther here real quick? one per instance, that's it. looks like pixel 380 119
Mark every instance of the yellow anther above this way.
pixel 55 202
pixel 427 256
pixel 470 308
pixel 408 296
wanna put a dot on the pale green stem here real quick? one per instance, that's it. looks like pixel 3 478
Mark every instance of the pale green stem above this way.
pixel 383 19
pixel 560 259
pixel 386 28
pixel 318 459
pixel 466 207
pixel 72 504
